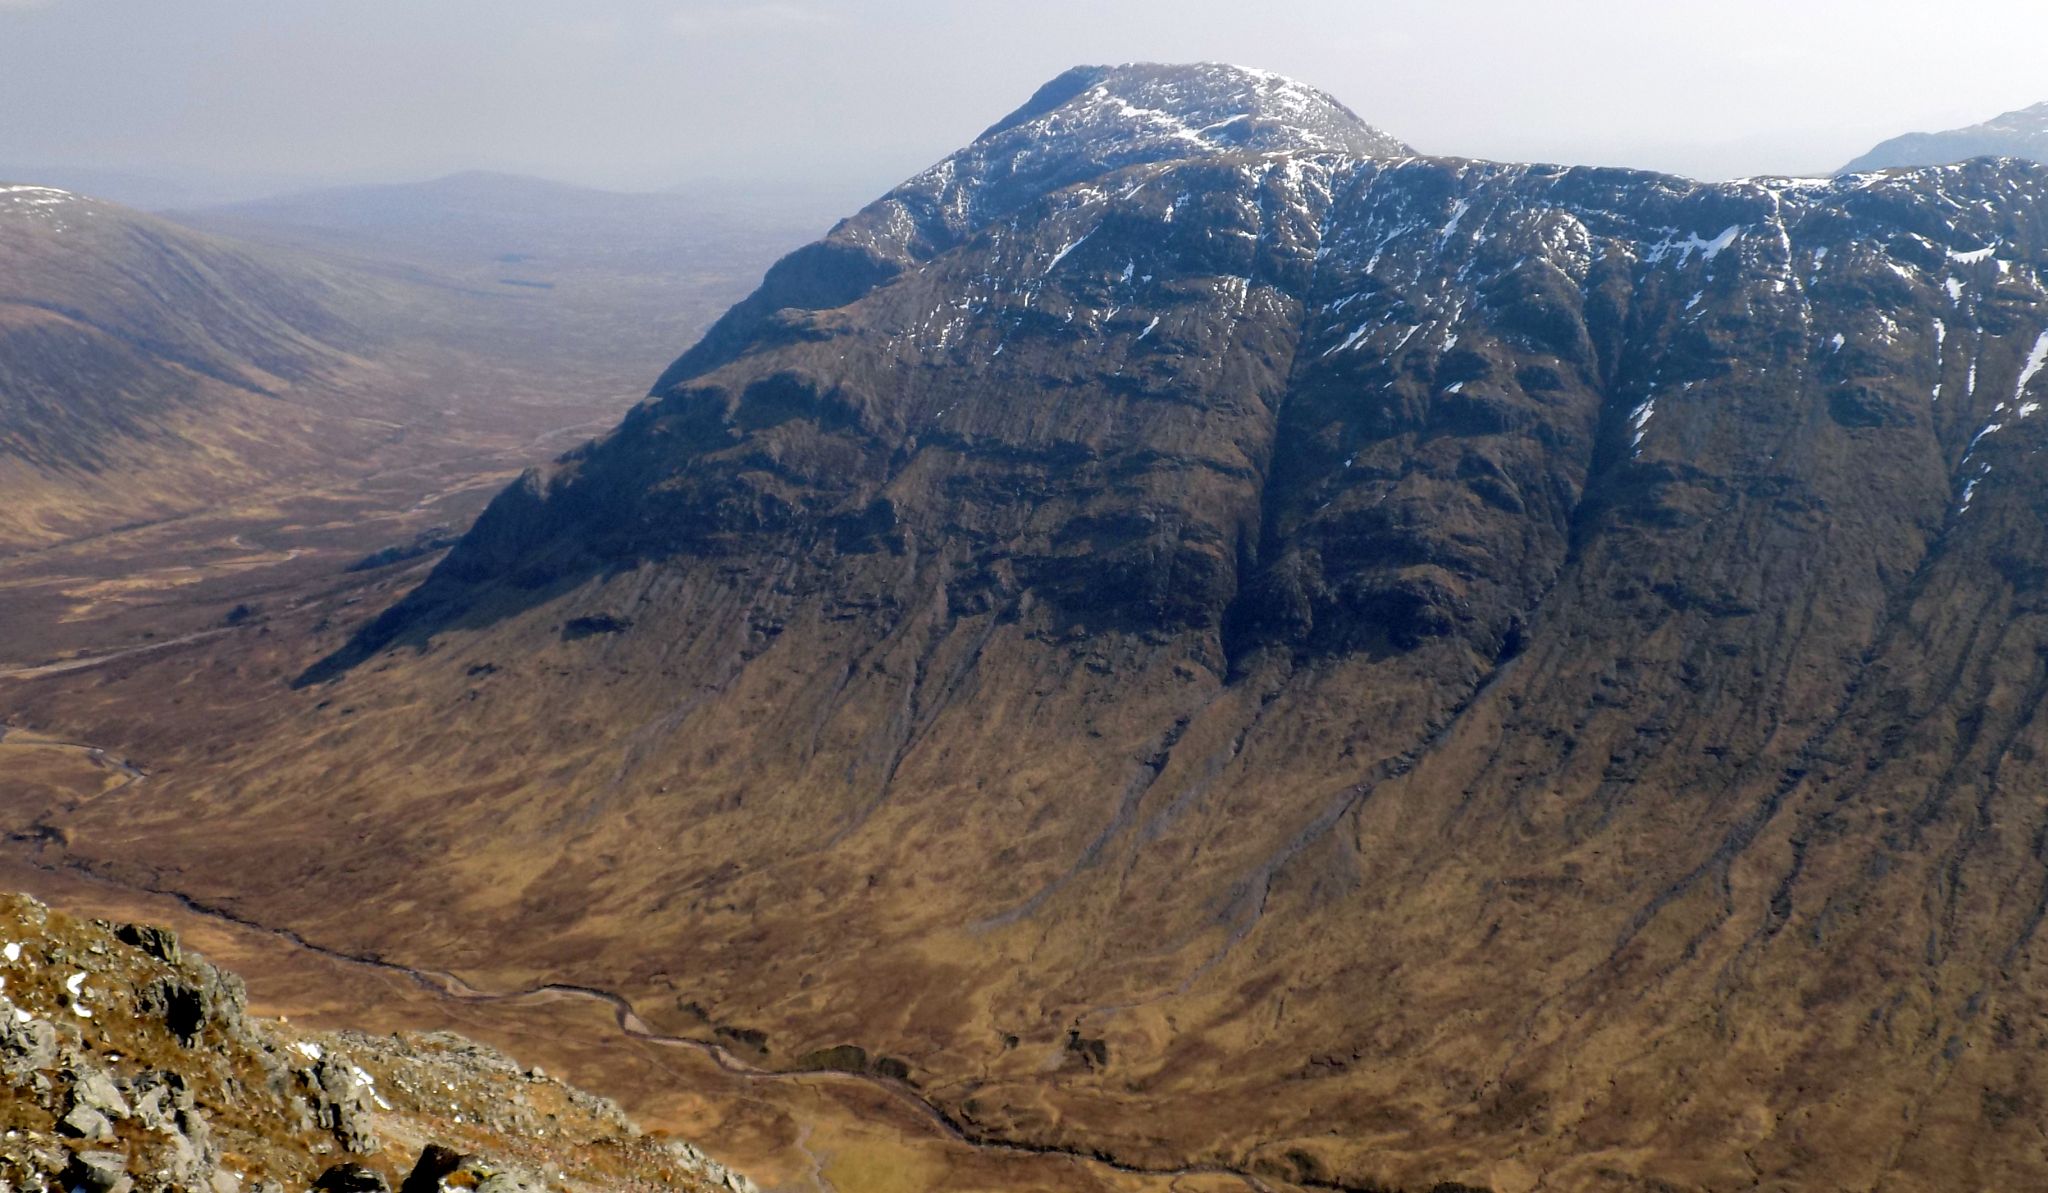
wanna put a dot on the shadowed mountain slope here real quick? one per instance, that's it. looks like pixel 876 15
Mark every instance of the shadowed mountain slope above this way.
pixel 1369 669
pixel 143 366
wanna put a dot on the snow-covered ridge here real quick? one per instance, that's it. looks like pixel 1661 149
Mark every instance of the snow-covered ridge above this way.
pixel 46 206
pixel 35 196
pixel 1094 120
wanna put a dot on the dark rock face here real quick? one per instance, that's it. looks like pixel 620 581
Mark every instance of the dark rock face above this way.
pixel 435 1162
pixel 1292 399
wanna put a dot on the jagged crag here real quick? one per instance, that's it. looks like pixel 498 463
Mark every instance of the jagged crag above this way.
pixel 129 1064
pixel 1208 636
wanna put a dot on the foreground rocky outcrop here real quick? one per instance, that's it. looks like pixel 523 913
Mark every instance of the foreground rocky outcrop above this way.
pixel 129 1065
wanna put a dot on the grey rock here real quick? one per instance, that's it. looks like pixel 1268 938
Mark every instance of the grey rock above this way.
pixel 184 1163
pixel 197 998
pixel 153 1107
pixel 83 1122
pixel 339 1106
pixel 26 1047
pixel 94 1090
pixel 99 1172
pixel 161 943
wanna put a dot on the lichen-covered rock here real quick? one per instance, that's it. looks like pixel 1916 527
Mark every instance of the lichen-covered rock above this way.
pixel 26 1045
pixel 341 1106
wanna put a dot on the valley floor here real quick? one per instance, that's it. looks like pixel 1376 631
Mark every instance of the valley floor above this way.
pixel 833 1131
pixel 172 637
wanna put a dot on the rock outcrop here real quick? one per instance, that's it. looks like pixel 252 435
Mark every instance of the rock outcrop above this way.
pixel 111 1087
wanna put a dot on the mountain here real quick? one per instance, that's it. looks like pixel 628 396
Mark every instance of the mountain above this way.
pixel 2016 134
pixel 133 1064
pixel 151 365
pixel 156 188
pixel 1191 635
pixel 144 367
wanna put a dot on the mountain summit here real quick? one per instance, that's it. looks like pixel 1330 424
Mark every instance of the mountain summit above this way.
pixel 1207 105
pixel 1089 122
pixel 2016 134
pixel 1245 650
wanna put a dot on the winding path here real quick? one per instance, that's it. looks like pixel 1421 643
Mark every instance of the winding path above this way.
pixel 24 740
pixel 81 662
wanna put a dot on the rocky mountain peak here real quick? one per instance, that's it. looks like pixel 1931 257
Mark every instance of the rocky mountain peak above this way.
pixel 1093 120
pixel 1407 590
pixel 1199 107
pixel 1086 124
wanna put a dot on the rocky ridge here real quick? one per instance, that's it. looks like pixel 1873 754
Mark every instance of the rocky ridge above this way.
pixel 132 1065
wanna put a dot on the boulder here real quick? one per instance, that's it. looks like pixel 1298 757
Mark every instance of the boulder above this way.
pixel 98 1172
pixel 340 1106
pixel 92 1089
pixel 350 1178
pixel 26 1047
pixel 83 1122
pixel 161 943
pixel 434 1163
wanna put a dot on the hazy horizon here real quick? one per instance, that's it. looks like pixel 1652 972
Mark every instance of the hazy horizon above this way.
pixel 228 100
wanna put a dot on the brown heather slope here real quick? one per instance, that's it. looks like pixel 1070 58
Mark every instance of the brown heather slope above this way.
pixel 1197 642
pixel 193 426
pixel 145 369
pixel 149 370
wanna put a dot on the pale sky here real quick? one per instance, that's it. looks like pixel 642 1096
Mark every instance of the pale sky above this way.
pixel 857 94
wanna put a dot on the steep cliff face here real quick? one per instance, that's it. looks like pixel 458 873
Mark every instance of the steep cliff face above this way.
pixel 1371 668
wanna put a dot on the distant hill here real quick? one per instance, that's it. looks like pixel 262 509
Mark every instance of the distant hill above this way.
pixel 159 188
pixel 150 365
pixel 145 367
pixel 2016 134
